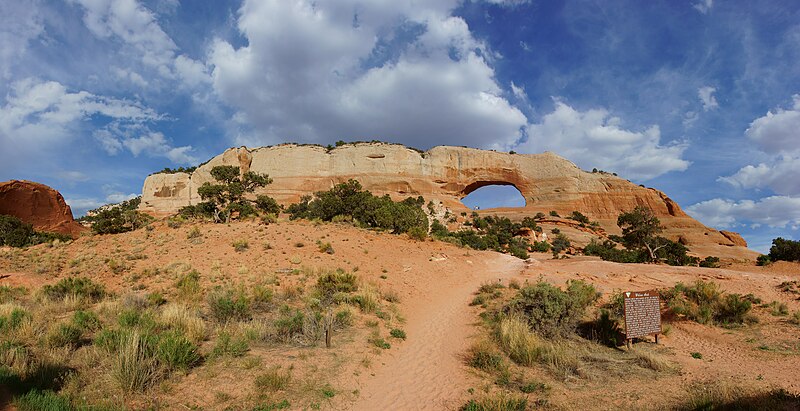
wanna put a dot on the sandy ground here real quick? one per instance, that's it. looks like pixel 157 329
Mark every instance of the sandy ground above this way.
pixel 435 282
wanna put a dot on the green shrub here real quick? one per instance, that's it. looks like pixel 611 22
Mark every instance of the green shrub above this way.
pixel 14 232
pixel 240 245
pixel 326 248
pixel 64 335
pixel 550 311
pixel 176 352
pixel 763 260
pixel 418 233
pixel 380 343
pixel 135 368
pixel 710 262
pixel 606 329
pixel 227 305
pixel 117 219
pixel 75 286
pixel 398 333
pixel 14 319
pixel 86 320
pixel 485 357
pixel 560 243
pixel 227 194
pixel 9 293
pixel 785 250
pixel 704 303
pixel 267 204
pixel 289 324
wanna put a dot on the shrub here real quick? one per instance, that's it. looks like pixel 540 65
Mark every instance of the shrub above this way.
pixel 339 281
pixel 86 320
pixel 786 250
pixel 229 305
pixel 550 311
pixel 289 324
pixel 227 194
pixel 732 309
pixel 763 260
pixel 267 204
pixel 194 233
pixel 608 252
pixel 710 262
pixel 75 286
pixel 64 335
pixel 14 232
pixel 554 213
pixel 522 346
pixel 418 233
pixel 16 315
pixel 117 219
pixel 579 217
pixel 560 243
pixel 380 343
pixel 703 302
pixel 326 248
pixel 606 329
pixel 176 352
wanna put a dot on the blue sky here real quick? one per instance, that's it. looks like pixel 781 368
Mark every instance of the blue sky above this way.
pixel 699 98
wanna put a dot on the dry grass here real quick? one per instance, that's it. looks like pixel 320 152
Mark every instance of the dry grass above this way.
pixel 135 369
pixel 655 362
pixel 182 318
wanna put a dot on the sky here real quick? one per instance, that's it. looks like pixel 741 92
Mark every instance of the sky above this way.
pixel 698 98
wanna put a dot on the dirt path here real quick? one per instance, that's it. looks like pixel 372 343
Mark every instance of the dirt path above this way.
pixel 427 371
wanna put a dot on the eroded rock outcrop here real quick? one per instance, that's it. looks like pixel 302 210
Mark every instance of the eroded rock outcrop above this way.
pixel 442 174
pixel 39 205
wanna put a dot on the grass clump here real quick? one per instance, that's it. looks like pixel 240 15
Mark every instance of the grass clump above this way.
pixel 398 333
pixel 36 400
pixel 380 343
pixel 273 380
pixel 484 356
pixel 339 281
pixel 705 303
pixel 176 352
pixel 188 284
pixel 64 335
pixel 135 368
pixel 240 245
pixel 230 346
pixel 75 286
pixel 719 396
pixel 497 402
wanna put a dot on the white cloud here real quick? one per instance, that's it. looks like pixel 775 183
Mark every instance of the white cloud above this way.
pixel 116 197
pixel 73 176
pixel 706 94
pixel 777 132
pixel 596 139
pixel 312 75
pixel 155 144
pixel 783 176
pixel 775 211
pixel 704 6
pixel 19 24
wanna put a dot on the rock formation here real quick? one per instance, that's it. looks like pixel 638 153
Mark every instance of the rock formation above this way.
pixel 39 205
pixel 442 174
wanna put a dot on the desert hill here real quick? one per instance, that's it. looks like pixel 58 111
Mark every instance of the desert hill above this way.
pixel 445 175
pixel 426 289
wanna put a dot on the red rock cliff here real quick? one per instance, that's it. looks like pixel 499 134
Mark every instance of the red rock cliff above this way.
pixel 39 205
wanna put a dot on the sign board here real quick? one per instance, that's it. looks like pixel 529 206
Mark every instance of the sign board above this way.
pixel 642 314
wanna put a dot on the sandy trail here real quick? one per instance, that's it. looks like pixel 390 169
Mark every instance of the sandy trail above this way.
pixel 427 371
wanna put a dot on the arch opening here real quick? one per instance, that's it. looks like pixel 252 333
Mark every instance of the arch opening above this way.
pixel 484 195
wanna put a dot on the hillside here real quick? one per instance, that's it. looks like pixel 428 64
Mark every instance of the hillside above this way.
pixel 421 288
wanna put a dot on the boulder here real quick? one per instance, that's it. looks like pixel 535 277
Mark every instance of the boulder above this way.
pixel 38 205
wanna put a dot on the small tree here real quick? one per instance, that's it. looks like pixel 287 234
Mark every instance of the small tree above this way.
pixel 228 194
pixel 640 230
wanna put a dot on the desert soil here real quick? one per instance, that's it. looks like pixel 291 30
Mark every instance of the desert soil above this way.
pixel 435 282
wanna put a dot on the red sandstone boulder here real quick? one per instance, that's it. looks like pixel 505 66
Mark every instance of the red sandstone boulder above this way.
pixel 39 205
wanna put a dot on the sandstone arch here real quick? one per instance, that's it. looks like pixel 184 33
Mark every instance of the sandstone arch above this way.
pixel 443 174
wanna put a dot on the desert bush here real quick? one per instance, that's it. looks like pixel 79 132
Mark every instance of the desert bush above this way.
pixel 607 251
pixel 10 293
pixel 349 199
pixel 228 304
pixel 16 233
pixel 720 396
pixel 763 260
pixel 560 243
pixel 331 282
pixel 379 342
pixel 795 318
pixel 12 316
pixel 289 324
pixel 326 248
pixel 514 336
pixel 135 367
pixel 64 335
pixel 550 311
pixel 75 286
pixel 273 380
pixel 181 318
pixel 267 205
pixel 117 219
pixel 704 303
pixel 86 320
pixel 418 233
pixel 778 309
pixel 710 262
pixel 176 352
pixel 606 329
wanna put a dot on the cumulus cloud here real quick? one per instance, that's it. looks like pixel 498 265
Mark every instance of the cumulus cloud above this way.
pixel 320 71
pixel 703 6
pixel 774 211
pixel 706 95
pixel 775 134
pixel 155 144
pixel 594 138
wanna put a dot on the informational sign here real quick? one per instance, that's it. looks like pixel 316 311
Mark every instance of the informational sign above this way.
pixel 642 314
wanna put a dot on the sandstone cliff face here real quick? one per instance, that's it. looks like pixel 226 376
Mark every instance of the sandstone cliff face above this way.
pixel 39 205
pixel 442 174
